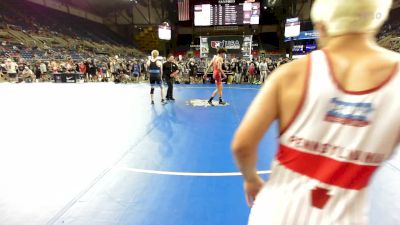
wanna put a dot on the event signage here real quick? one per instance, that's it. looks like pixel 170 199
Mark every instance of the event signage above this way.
pixel 292 27
pixel 304 35
pixel 227 14
pixel 235 44
pixel 226 1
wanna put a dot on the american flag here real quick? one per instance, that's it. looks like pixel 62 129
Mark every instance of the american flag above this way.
pixel 183 10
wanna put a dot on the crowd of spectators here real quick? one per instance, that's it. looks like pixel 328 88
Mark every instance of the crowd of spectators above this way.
pixel 59 45
pixel 35 33
pixel 90 70
pixel 89 49
pixel 128 69
pixel 238 70
pixel 41 41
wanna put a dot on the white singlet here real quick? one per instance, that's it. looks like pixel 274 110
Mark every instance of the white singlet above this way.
pixel 329 151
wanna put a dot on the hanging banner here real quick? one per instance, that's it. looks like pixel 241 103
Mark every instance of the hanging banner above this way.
pixel 304 35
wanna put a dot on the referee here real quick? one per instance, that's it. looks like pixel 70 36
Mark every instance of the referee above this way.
pixel 170 70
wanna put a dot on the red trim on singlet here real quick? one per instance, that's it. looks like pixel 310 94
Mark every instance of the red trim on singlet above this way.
pixel 327 170
pixel 368 91
pixel 215 67
pixel 303 97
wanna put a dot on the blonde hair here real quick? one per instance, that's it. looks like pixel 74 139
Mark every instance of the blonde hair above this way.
pixel 350 16
pixel 155 54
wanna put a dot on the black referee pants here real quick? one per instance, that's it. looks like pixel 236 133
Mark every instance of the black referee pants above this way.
pixel 170 83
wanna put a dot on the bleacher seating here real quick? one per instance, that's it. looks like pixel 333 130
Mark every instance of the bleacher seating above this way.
pixel 389 37
pixel 51 34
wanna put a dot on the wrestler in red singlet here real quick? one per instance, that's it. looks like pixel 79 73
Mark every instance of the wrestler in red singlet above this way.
pixel 217 75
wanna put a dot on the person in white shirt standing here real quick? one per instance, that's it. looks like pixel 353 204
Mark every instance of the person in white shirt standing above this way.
pixel 11 68
pixel 43 71
pixel 338 117
pixel 263 71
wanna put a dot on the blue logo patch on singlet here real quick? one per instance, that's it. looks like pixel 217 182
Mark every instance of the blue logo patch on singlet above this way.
pixel 349 113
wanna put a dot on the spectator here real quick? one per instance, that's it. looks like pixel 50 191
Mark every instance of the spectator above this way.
pixel 11 68
pixel 263 71
pixel 28 75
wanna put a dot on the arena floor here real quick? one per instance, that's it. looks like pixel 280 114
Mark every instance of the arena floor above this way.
pixel 101 154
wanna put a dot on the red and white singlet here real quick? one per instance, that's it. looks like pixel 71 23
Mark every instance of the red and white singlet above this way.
pixel 329 151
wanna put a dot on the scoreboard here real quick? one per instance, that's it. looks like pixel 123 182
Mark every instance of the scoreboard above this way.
pixel 227 14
